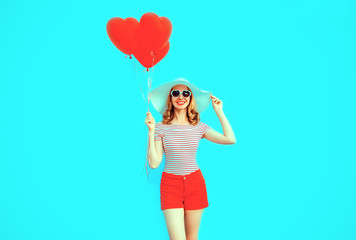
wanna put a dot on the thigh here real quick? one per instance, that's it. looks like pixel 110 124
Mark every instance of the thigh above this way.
pixel 175 223
pixel 192 222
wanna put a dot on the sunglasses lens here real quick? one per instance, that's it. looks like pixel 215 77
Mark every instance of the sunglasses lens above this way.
pixel 186 93
pixel 175 93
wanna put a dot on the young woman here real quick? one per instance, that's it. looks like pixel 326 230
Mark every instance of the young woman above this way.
pixel 183 189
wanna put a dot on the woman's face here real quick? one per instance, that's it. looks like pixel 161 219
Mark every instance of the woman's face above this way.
pixel 180 102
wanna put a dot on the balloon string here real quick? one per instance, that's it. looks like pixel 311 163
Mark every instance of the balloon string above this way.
pixel 138 79
pixel 143 95
pixel 148 90
pixel 149 82
pixel 147 157
pixel 148 107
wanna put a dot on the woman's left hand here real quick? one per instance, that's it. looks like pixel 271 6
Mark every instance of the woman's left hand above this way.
pixel 217 103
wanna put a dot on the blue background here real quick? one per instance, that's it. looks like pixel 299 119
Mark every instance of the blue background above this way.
pixel 73 139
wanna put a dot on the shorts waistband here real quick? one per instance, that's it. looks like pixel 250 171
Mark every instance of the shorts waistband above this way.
pixel 175 176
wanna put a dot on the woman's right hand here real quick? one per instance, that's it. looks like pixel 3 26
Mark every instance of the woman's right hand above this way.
pixel 150 121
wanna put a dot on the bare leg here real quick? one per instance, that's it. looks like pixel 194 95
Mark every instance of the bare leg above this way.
pixel 175 223
pixel 192 223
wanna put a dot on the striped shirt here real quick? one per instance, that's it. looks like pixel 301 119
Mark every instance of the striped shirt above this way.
pixel 180 144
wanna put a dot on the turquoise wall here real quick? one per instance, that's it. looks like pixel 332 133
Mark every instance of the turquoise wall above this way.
pixel 73 138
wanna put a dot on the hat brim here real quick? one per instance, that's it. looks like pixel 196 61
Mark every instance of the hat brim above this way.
pixel 158 96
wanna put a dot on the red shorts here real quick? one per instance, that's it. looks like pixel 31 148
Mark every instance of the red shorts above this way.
pixel 183 191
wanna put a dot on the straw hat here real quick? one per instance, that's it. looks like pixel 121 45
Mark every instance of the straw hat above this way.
pixel 159 95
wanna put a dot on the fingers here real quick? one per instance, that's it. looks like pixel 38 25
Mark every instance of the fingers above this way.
pixel 215 99
pixel 148 115
pixel 149 118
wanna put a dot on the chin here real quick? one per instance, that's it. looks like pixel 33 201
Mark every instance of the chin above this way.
pixel 180 107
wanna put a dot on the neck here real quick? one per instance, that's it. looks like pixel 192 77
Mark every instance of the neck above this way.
pixel 180 115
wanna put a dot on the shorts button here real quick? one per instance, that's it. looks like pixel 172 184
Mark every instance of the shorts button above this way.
pixel 184 177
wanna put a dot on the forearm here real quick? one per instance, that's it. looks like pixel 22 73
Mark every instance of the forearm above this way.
pixel 227 129
pixel 152 152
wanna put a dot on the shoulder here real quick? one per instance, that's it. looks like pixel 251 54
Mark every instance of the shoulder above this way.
pixel 203 125
pixel 159 125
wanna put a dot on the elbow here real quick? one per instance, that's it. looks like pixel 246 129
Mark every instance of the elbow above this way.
pixel 232 141
pixel 154 165
pixel 150 164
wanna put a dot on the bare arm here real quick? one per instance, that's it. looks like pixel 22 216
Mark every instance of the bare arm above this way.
pixel 155 150
pixel 214 136
pixel 227 138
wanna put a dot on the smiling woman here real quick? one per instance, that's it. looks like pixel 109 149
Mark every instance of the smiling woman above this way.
pixel 180 107
pixel 183 190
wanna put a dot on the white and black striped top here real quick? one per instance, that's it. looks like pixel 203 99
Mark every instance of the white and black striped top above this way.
pixel 180 144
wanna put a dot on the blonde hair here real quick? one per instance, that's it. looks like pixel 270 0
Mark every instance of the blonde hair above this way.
pixel 192 115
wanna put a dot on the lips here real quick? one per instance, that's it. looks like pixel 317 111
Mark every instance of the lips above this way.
pixel 180 102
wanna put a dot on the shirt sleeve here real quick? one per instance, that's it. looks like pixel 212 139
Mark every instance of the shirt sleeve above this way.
pixel 158 132
pixel 204 129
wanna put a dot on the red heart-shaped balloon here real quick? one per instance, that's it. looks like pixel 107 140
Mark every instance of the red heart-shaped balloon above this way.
pixel 153 33
pixel 123 33
pixel 148 59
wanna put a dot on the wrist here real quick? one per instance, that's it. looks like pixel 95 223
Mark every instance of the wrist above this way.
pixel 218 112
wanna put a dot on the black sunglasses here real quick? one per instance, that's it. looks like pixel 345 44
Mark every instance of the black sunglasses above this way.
pixel 185 93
